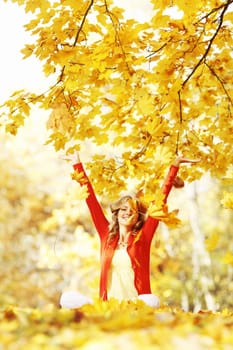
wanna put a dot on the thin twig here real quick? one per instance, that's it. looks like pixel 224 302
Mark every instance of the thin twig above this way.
pixel 77 36
pixel 159 49
pixel 210 43
pixel 177 143
pixel 220 81
pixel 181 120
pixel 142 151
pixel 83 21
pixel 118 40
pixel 213 11
pixel 180 107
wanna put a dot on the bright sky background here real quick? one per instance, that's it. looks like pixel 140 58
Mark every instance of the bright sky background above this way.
pixel 17 73
pixel 27 147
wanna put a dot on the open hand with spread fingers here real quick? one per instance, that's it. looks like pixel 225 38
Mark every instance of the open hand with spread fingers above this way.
pixel 73 157
pixel 180 159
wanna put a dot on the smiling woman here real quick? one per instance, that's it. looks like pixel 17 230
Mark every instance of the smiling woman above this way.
pixel 125 242
pixel 127 212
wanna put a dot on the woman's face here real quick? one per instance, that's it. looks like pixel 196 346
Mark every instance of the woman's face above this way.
pixel 128 213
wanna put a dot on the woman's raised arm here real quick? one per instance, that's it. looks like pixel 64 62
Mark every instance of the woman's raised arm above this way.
pixel 96 211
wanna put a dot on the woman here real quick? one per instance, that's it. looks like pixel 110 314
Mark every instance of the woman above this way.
pixel 125 243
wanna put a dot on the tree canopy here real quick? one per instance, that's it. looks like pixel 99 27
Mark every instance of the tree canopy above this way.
pixel 149 90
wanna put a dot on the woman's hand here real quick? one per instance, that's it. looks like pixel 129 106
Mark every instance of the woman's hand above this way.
pixel 73 157
pixel 180 159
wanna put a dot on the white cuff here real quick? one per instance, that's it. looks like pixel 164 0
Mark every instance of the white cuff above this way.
pixel 74 300
pixel 150 299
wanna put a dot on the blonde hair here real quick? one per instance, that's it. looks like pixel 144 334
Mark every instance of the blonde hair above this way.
pixel 140 207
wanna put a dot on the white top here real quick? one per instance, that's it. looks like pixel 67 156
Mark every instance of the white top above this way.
pixel 121 277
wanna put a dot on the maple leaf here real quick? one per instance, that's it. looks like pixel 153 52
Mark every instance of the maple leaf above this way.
pixel 157 209
pixel 28 50
pixel 79 177
pixel 227 200
pixel 228 259
pixel 162 154
pixel 212 242
pixel 163 215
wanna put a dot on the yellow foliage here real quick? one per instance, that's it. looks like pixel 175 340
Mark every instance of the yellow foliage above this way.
pixel 112 323
pixel 32 6
pixel 228 259
pixel 79 177
pixel 156 87
pixel 27 51
pixel 212 242
pixel 162 154
pixel 162 214
pixel 60 118
pixel 227 200
pixel 146 105
pixel 159 210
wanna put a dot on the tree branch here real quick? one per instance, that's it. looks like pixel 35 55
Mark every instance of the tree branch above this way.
pixel 181 120
pixel 159 49
pixel 210 43
pixel 214 10
pixel 220 81
pixel 118 40
pixel 180 107
pixel 143 150
pixel 83 21
pixel 76 38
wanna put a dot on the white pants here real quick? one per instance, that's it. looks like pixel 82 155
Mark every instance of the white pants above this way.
pixel 75 300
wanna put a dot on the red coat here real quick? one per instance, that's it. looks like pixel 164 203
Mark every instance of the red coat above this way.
pixel 139 244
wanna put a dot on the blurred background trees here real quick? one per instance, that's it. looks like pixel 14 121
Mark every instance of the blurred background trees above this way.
pixel 48 242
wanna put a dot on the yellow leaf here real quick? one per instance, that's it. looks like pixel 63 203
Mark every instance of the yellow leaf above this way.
pixel 58 139
pixel 48 69
pixel 79 177
pixel 157 209
pixel 162 214
pixel 154 126
pixel 227 200
pixel 212 241
pixel 130 167
pixel 228 259
pixel 146 104
pixel 162 154
pixel 32 6
pixel 60 118
pixel 27 51
pixel 12 128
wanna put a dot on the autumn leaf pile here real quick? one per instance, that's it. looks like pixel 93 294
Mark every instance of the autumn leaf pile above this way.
pixel 112 325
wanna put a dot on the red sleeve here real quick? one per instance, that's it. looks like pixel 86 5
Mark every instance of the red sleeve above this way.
pixel 168 182
pixel 151 224
pixel 98 217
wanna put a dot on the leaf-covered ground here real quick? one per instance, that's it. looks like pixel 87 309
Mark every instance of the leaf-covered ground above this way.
pixel 113 326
